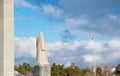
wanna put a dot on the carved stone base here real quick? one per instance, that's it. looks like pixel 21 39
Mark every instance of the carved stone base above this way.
pixel 42 70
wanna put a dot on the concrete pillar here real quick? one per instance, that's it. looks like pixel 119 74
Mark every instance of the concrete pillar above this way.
pixel 6 37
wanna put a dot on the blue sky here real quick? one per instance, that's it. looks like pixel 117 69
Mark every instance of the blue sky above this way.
pixel 68 26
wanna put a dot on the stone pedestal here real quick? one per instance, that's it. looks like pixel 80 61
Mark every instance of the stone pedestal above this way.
pixel 42 70
pixel 6 37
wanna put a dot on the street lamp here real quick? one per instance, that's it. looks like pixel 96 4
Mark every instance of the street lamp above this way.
pixel 94 39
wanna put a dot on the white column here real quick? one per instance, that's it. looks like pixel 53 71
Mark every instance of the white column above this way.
pixel 6 37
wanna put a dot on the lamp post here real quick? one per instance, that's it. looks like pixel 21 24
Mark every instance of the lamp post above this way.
pixel 94 39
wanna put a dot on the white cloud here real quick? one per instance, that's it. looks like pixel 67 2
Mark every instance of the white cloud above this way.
pixel 91 58
pixel 107 25
pixel 113 17
pixel 89 7
pixel 25 47
pixel 76 22
pixel 80 52
pixel 94 45
pixel 24 3
pixel 83 52
pixel 50 10
pixel 114 44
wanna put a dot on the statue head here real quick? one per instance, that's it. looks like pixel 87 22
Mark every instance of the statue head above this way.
pixel 41 34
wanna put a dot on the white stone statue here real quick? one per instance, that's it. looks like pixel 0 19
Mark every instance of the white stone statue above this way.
pixel 41 50
pixel 42 67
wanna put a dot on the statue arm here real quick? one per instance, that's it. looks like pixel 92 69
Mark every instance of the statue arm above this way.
pixel 43 45
pixel 46 45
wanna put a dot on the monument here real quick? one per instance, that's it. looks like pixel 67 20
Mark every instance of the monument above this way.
pixel 42 67
pixel 6 37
